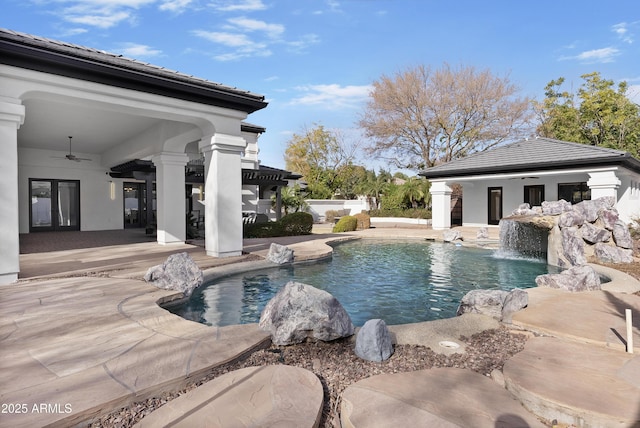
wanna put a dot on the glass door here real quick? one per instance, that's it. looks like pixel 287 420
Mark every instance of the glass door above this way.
pixel 135 204
pixel 55 205
pixel 495 205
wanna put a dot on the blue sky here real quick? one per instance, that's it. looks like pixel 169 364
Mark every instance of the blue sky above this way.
pixel 314 60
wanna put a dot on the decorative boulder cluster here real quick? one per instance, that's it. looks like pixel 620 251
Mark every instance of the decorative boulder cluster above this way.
pixel 589 228
pixel 280 254
pixel 498 304
pixel 299 312
pixel 179 272
pixel 578 278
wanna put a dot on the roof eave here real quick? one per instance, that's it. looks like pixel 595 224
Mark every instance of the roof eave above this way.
pixel 83 68
pixel 627 160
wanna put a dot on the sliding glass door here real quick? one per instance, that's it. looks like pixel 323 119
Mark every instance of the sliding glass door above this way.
pixel 55 205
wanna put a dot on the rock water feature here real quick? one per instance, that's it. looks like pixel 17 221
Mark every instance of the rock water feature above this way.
pixel 568 234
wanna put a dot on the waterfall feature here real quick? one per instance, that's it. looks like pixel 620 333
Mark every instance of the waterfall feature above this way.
pixel 522 239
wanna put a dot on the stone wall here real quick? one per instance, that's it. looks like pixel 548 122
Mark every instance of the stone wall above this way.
pixel 577 232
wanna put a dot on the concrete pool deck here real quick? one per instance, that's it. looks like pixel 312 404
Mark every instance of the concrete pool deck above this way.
pixel 82 335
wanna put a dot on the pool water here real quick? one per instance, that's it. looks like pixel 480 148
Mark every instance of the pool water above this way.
pixel 400 282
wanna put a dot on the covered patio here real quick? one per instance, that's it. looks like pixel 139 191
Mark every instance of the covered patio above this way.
pixel 70 114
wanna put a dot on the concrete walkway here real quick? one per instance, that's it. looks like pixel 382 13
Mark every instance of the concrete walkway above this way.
pixel 82 335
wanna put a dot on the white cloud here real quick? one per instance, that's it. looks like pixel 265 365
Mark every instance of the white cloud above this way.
pixel 110 13
pixel 304 42
pixel 603 55
pixel 332 96
pixel 251 37
pixel 633 93
pixel 100 17
pixel 622 30
pixel 134 50
pixel 246 24
pixel 235 5
pixel 175 6
pixel 243 46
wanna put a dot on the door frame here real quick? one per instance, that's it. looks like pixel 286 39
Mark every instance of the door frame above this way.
pixel 55 226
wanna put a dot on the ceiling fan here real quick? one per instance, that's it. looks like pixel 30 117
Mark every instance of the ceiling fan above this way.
pixel 71 156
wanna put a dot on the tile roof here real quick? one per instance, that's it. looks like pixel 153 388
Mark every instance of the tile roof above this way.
pixel 15 46
pixel 532 154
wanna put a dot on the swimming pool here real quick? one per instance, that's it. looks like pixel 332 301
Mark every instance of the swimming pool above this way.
pixel 398 281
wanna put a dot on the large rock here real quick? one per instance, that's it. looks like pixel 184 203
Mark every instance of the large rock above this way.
pixel 621 235
pixel 516 300
pixel 578 278
pixel 608 218
pixel 555 207
pixel 594 234
pixel 451 236
pixel 573 247
pixel 570 218
pixel 280 254
pixel 608 254
pixel 179 272
pixel 486 302
pixel 591 208
pixel 299 311
pixel 373 342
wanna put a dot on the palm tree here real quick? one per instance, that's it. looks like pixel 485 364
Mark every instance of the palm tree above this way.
pixel 291 197
pixel 414 190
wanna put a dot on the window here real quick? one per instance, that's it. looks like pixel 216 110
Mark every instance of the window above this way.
pixel 574 192
pixel 534 195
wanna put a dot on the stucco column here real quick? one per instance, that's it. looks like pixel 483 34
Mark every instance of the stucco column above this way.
pixel 440 205
pixel 223 194
pixel 603 184
pixel 170 197
pixel 12 114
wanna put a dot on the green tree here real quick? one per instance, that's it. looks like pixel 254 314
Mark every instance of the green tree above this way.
pixel 323 158
pixel 374 186
pixel 600 114
pixel 419 118
pixel 291 198
pixel 416 191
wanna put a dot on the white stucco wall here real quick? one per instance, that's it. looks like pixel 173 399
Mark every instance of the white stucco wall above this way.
pixel 98 210
pixel 319 207
pixel 629 196
pixel 475 192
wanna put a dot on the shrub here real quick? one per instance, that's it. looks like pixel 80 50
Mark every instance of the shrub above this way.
pixel 299 223
pixel 406 213
pixel 262 230
pixel 347 223
pixel 364 221
pixel 331 215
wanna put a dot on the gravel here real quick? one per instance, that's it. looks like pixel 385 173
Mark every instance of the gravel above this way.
pixel 337 366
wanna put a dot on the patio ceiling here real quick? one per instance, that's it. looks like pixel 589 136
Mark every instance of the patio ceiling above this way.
pixel 94 129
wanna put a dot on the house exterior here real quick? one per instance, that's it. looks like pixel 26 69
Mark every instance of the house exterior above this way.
pixel 497 181
pixel 136 129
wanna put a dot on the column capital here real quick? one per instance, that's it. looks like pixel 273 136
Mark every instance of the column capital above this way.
pixel 440 188
pixel 222 142
pixel 170 158
pixel 12 110
pixel 603 180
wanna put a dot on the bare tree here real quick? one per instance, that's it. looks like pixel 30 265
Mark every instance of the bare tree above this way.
pixel 419 118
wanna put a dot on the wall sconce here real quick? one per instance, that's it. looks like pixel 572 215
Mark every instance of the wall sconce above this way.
pixel 112 190
pixel 201 195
